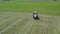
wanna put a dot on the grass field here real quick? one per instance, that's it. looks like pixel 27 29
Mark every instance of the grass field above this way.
pixel 50 8
pixel 16 18
pixel 23 23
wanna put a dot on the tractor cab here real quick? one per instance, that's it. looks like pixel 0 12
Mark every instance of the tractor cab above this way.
pixel 35 15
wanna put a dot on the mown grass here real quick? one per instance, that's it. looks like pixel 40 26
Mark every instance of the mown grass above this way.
pixel 51 8
pixel 46 25
pixel 7 23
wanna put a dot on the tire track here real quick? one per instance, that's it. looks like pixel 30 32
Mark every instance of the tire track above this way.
pixel 27 25
pixel 10 26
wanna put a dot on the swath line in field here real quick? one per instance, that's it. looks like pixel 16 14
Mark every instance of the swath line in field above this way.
pixel 3 17
pixel 10 26
pixel 6 20
pixel 26 13
pixel 29 27
pixel 15 13
pixel 29 23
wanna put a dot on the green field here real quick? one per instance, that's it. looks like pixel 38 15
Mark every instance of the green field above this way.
pixel 51 8
pixel 16 18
